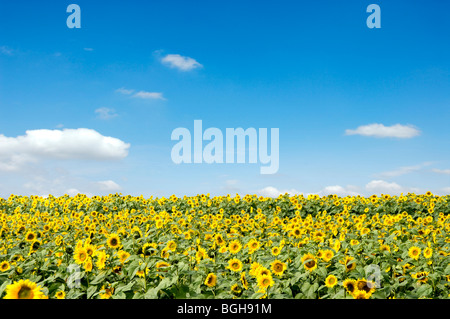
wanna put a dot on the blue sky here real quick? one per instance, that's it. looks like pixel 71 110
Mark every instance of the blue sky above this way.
pixel 92 110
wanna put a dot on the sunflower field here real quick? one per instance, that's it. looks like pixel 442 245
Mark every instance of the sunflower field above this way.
pixel 125 247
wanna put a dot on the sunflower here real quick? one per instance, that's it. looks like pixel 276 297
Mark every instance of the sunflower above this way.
pixel 337 243
pixel 58 240
pixel 327 255
pixel 296 232
pixel 80 255
pixel 101 259
pixel 276 251
pixel 35 246
pixel 263 271
pixel 30 236
pixel 367 286
pixel 23 289
pixel 165 253
pixel 148 249
pixel 236 290
pixel 385 247
pixel 219 240
pixel 319 253
pixel 331 281
pixel 211 280
pixel 141 272
pixel 244 280
pixel 421 276
pixel 428 252
pixel 88 265
pixel 60 294
pixel 309 262
pixel 414 252
pixel 113 241
pixel 361 294
pixel 254 268
pixel 264 281
pixel 4 266
pixel 117 269
pixel 235 265
pixel 171 245
pixel 161 265
pixel 253 245
pixel 108 292
pixel 223 249
pixel 349 263
pixel 90 249
pixel 123 255
pixel 201 254
pixel 350 285
pixel 278 267
pixel 234 247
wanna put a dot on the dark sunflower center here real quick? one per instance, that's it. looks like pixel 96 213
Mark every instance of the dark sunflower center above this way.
pixel 24 293
pixel 363 286
pixel 113 242
pixel 278 267
pixel 310 264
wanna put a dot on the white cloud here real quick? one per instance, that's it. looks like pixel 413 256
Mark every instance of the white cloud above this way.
pixel 271 191
pixel 405 170
pixel 339 191
pixel 105 113
pixel 63 182
pixel 82 143
pixel 125 91
pixel 72 192
pixel 109 185
pixel 149 95
pixel 379 130
pixel 441 171
pixel 180 62
pixel 141 94
pixel 383 187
